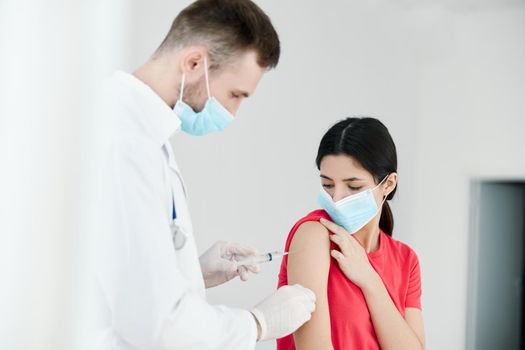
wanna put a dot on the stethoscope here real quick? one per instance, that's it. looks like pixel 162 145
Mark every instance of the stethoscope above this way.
pixel 178 234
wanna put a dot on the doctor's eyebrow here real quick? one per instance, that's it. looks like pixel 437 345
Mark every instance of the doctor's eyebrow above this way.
pixel 242 93
pixel 349 179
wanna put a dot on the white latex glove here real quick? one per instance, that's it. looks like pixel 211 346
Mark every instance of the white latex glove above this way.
pixel 284 311
pixel 219 263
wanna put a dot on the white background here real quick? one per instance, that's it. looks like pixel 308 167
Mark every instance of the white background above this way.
pixel 446 77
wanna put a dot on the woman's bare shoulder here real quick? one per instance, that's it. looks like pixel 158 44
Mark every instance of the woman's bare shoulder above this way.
pixel 309 255
pixel 311 231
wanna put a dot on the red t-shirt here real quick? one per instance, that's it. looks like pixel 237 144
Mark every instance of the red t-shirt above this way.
pixel 350 321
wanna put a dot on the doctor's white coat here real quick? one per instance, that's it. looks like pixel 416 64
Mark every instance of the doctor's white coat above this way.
pixel 150 295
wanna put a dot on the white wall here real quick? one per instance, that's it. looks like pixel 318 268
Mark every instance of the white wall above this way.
pixel 471 125
pixel 51 54
pixel 37 150
pixel 447 78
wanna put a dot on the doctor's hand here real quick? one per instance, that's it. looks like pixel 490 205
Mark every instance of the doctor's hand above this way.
pixel 284 311
pixel 219 263
pixel 351 256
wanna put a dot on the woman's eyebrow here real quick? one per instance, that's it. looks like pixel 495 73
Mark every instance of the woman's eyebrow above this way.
pixel 349 179
pixel 354 179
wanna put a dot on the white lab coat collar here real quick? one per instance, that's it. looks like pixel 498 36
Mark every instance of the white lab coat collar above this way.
pixel 159 119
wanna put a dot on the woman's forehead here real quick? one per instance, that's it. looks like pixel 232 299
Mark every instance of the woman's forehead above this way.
pixel 343 167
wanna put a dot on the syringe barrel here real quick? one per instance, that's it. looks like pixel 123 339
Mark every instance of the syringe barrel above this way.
pixel 260 259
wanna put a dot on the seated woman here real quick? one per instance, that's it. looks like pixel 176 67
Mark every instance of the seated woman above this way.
pixel 367 284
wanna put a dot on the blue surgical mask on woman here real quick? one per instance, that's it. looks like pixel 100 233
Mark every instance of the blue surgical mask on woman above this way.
pixel 352 212
pixel 213 117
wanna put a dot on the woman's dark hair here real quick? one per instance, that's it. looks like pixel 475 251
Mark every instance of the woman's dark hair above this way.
pixel 368 141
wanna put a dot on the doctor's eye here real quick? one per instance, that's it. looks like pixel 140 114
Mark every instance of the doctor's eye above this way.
pixel 328 186
pixel 355 188
pixel 234 95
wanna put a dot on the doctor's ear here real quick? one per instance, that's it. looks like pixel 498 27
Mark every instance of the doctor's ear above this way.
pixel 390 184
pixel 192 62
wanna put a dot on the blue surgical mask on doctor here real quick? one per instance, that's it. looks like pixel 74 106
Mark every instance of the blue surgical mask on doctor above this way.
pixel 213 117
pixel 352 212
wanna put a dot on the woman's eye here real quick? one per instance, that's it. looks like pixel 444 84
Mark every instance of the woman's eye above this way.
pixel 235 95
pixel 355 188
pixel 328 186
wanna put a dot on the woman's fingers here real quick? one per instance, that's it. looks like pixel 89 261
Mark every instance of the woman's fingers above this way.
pixel 340 236
pixel 336 239
pixel 347 243
pixel 337 255
pixel 342 242
pixel 357 246
pixel 333 227
pixel 354 242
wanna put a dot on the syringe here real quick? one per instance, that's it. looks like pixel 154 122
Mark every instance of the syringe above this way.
pixel 261 259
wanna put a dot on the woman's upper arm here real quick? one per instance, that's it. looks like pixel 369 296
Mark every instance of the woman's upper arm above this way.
pixel 308 265
pixel 414 319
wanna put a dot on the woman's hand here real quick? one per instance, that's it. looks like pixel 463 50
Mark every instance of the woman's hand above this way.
pixel 351 256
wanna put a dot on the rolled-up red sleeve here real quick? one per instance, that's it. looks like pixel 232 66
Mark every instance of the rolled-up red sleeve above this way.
pixel 413 297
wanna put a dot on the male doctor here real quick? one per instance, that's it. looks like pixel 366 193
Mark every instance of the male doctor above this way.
pixel 150 280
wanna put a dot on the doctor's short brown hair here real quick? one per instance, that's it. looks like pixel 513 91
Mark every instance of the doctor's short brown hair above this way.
pixel 226 28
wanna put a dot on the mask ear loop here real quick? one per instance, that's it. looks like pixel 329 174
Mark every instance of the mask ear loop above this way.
pixel 384 199
pixel 183 81
pixel 379 184
pixel 206 76
pixel 382 202
pixel 182 86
